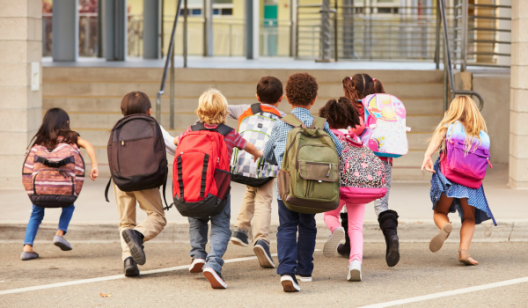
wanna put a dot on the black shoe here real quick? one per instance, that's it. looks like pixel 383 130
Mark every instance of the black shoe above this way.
pixel 388 221
pixel 344 249
pixel 131 269
pixel 289 283
pixel 134 240
pixel 240 237
pixel 262 250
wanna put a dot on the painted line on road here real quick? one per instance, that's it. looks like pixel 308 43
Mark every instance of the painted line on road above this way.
pixel 114 277
pixel 449 293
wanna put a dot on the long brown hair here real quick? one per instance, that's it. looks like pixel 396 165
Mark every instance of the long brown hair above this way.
pixel 359 86
pixel 56 123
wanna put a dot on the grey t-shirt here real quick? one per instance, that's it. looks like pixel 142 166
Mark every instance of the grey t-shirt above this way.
pixel 235 111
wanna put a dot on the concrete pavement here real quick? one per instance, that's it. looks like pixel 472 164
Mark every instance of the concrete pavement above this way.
pixel 419 273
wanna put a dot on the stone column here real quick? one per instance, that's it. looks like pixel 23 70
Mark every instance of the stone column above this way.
pixel 208 28
pixel 251 19
pixel 519 96
pixel 115 29
pixel 65 30
pixel 152 23
pixel 20 84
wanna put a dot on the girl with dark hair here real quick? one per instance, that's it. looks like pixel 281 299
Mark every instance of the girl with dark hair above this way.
pixel 341 116
pixel 55 129
pixel 356 88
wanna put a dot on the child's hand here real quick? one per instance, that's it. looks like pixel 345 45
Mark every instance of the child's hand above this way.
pixel 175 141
pixel 94 173
pixel 255 157
pixel 428 164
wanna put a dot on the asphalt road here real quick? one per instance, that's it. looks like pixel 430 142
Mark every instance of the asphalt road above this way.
pixel 419 273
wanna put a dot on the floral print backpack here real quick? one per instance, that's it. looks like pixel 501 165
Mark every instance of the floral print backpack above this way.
pixel 361 171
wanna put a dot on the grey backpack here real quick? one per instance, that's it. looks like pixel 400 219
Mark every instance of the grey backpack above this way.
pixel 255 126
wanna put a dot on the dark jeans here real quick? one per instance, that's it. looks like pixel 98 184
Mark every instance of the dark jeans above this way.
pixel 219 238
pixel 295 255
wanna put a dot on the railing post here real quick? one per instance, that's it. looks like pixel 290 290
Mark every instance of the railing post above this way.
pixel 464 30
pixel 293 28
pixel 326 40
pixel 437 38
pixel 185 38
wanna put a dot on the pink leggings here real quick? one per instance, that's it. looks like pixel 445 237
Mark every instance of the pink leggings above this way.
pixel 356 215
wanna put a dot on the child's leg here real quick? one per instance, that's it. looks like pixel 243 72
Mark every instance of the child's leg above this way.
pixel 150 202
pixel 220 234
pixel 126 209
pixel 468 224
pixel 306 244
pixel 247 208
pixel 32 227
pixel 198 229
pixel 262 219
pixel 331 218
pixel 287 240
pixel 382 205
pixel 441 211
pixel 64 220
pixel 356 215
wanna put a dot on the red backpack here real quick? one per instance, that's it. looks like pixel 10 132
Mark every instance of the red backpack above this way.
pixel 201 172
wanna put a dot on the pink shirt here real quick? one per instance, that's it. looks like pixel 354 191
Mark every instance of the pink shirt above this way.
pixel 232 140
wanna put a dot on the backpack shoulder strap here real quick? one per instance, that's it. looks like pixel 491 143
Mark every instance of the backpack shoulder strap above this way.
pixel 256 109
pixel 223 129
pixel 292 120
pixel 198 126
pixel 318 123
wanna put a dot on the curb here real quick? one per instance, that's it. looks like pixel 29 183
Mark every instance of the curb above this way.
pixel 512 231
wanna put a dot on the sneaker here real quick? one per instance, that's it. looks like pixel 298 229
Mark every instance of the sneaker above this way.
pixel 131 269
pixel 262 251
pixel 240 237
pixel 354 271
pixel 60 242
pixel 330 247
pixel 25 256
pixel 134 240
pixel 215 278
pixel 196 266
pixel 304 278
pixel 289 283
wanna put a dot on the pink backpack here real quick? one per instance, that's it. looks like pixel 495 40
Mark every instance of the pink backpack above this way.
pixel 53 178
pixel 361 171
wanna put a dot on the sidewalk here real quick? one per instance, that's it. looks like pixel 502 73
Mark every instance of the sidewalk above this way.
pixel 93 215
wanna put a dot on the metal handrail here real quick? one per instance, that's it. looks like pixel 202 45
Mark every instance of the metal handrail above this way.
pixel 447 60
pixel 167 61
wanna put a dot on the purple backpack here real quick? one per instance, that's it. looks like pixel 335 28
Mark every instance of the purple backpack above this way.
pixel 361 172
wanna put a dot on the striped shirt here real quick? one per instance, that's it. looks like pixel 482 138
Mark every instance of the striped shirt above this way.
pixel 232 140
pixel 274 150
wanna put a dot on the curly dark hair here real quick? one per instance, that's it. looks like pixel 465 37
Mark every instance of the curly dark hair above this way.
pixel 340 114
pixel 301 89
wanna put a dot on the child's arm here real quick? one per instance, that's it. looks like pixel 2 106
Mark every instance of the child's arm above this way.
pixel 268 154
pixel 170 143
pixel 252 149
pixel 235 111
pixel 435 143
pixel 94 173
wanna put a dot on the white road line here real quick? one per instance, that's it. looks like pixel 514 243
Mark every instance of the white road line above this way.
pixel 114 277
pixel 449 293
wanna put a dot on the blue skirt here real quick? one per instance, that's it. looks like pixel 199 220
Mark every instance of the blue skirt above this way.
pixel 475 197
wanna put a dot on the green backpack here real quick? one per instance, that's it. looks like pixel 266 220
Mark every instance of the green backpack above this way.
pixel 309 177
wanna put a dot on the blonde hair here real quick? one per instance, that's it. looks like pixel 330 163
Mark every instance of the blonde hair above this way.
pixel 464 110
pixel 212 107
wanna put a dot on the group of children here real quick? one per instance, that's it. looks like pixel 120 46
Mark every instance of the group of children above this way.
pixel 296 236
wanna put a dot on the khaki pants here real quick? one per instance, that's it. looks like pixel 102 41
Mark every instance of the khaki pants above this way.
pixel 256 206
pixel 150 202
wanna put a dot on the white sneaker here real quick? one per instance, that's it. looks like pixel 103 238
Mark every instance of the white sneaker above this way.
pixel 330 247
pixel 196 266
pixel 304 278
pixel 354 271
pixel 289 283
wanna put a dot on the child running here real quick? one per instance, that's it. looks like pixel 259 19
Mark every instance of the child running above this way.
pixel 357 88
pixel 55 129
pixel 297 232
pixel 462 125
pixel 341 115
pixel 255 211
pixel 212 111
